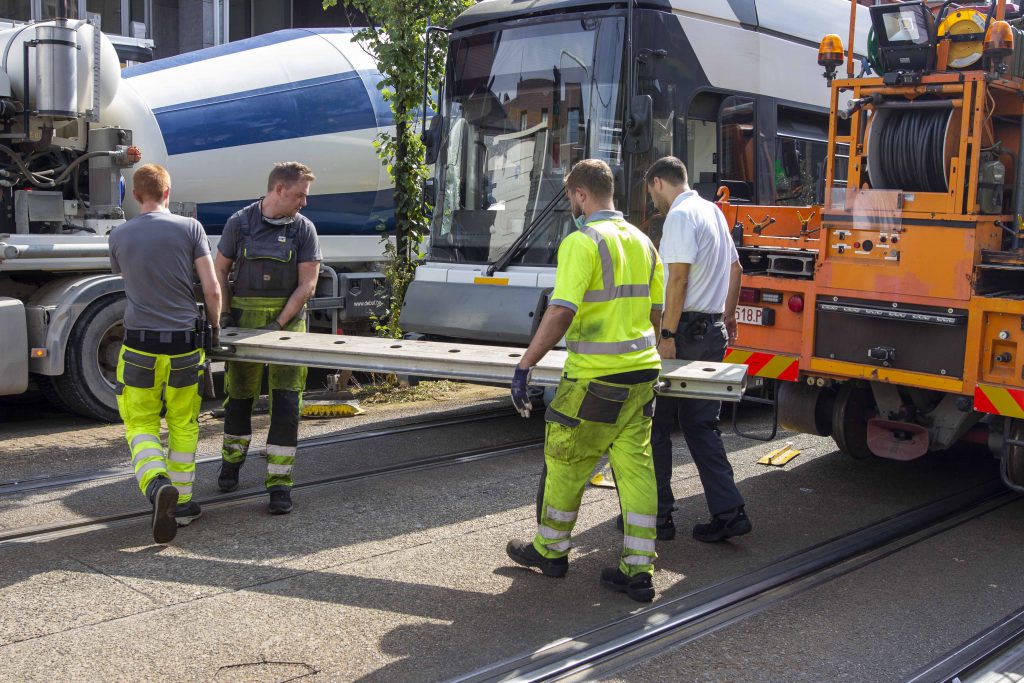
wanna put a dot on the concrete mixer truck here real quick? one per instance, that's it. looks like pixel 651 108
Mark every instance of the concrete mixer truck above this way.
pixel 71 124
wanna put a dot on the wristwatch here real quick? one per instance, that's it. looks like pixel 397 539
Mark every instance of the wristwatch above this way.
pixel 667 334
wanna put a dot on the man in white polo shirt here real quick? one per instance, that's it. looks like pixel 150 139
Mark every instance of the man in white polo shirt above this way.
pixel 701 291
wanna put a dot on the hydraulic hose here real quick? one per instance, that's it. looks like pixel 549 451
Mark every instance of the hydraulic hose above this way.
pixel 909 150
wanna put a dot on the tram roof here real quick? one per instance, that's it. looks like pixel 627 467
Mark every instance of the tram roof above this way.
pixel 799 19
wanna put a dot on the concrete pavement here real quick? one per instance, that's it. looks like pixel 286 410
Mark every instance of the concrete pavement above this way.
pixel 404 577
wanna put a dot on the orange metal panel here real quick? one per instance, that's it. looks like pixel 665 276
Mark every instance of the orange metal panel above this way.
pixel 843 370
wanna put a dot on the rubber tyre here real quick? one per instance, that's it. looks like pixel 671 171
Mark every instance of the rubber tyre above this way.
pixel 853 407
pixel 90 363
pixel 1014 455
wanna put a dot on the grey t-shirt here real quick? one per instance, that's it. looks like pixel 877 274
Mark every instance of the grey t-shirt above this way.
pixel 155 253
pixel 307 245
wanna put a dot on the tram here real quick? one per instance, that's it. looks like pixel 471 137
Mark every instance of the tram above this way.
pixel 732 88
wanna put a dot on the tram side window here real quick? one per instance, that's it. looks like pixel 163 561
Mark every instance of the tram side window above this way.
pixel 700 156
pixel 800 148
pixel 736 150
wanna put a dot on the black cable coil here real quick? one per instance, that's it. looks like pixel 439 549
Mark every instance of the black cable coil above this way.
pixel 910 151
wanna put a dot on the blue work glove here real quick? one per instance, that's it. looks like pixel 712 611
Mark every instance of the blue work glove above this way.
pixel 520 392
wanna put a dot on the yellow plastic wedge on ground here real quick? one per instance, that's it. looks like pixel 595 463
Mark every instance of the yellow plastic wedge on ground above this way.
pixel 329 409
pixel 779 456
pixel 603 478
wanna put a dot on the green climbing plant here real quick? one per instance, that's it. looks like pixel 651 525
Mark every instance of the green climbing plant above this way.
pixel 397 41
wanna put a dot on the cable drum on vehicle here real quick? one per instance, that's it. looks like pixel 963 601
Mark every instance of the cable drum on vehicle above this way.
pixel 909 148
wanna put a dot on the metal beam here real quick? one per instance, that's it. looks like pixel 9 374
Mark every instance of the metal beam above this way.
pixel 469 362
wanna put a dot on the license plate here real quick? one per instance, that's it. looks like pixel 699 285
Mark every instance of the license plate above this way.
pixel 750 315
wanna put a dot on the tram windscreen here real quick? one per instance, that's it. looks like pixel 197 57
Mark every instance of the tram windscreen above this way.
pixel 522 105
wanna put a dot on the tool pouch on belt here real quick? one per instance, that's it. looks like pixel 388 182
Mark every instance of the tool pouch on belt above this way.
pixel 697 329
pixel 593 401
pixel 186 371
pixel 139 370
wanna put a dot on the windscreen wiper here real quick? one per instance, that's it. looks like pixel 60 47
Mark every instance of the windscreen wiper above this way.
pixel 506 257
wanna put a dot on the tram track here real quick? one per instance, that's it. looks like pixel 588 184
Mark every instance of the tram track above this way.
pixel 42 483
pixel 982 657
pixel 51 531
pixel 639 637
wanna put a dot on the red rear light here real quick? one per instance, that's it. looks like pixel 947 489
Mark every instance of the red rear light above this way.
pixel 749 295
pixel 796 303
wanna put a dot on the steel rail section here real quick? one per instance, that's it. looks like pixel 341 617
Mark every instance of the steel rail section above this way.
pixel 981 654
pixel 47 532
pixel 638 637
pixel 468 362
pixel 47 482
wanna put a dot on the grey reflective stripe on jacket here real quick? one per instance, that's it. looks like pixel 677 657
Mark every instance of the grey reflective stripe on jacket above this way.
pixel 609 292
pixel 609 289
pixel 598 348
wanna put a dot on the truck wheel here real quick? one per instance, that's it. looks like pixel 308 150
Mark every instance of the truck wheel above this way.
pixel 853 406
pixel 90 364
pixel 1013 456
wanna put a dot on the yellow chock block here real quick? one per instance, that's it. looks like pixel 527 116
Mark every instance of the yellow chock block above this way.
pixel 604 478
pixel 779 456
pixel 329 409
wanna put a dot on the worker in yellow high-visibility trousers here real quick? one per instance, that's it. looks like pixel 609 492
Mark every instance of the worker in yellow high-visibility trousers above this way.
pixel 161 361
pixel 275 253
pixel 607 304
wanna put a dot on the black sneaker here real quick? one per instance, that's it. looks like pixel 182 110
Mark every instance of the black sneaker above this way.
pixel 639 587
pixel 723 525
pixel 227 480
pixel 280 502
pixel 666 529
pixel 184 513
pixel 522 552
pixel 165 498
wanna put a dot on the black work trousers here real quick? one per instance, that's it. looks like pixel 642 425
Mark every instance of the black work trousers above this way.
pixel 699 421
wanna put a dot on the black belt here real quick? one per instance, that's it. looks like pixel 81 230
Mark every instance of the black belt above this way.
pixel 152 341
pixel 690 316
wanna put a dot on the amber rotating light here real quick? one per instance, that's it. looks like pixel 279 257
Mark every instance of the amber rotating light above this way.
pixel 998 44
pixel 831 55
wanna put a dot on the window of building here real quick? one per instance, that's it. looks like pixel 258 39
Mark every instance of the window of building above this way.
pixel 50 9
pixel 15 9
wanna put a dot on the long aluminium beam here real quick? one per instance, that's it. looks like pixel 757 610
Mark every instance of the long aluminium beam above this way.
pixel 468 362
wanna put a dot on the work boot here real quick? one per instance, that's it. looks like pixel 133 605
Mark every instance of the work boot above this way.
pixel 164 497
pixel 227 480
pixel 639 587
pixel 184 513
pixel 523 552
pixel 280 502
pixel 723 525
pixel 666 529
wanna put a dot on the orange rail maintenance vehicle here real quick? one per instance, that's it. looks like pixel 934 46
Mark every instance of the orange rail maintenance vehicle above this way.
pixel 892 316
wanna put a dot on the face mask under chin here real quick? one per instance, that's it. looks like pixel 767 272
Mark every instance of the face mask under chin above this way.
pixel 283 220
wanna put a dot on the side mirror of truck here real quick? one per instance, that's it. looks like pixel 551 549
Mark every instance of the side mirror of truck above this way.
pixel 432 139
pixel 639 136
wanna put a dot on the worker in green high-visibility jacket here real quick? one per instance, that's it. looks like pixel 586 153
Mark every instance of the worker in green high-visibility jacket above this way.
pixel 607 301
pixel 275 254
pixel 160 366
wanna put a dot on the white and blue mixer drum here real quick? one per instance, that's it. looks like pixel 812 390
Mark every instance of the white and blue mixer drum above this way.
pixel 219 118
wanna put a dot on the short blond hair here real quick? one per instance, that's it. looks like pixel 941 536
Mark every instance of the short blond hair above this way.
pixel 592 175
pixel 150 182
pixel 289 172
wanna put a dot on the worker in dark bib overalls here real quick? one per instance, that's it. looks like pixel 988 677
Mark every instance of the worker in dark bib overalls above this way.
pixel 275 254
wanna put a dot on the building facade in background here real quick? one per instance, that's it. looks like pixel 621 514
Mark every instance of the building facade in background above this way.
pixel 143 30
